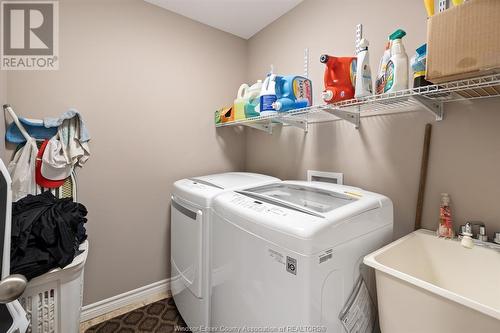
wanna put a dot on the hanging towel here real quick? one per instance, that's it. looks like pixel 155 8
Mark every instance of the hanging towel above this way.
pixel 75 150
pixel 35 128
pixel 22 171
pixel 73 135
pixel 70 114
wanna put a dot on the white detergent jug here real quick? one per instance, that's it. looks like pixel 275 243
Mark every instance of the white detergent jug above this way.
pixel 240 101
pixel 268 95
pixel 252 106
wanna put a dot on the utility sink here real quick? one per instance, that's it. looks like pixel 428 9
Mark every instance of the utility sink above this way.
pixel 427 284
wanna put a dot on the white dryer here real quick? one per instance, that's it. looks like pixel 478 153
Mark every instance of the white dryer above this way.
pixel 190 226
pixel 288 254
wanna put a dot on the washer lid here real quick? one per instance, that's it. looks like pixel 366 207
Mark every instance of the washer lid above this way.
pixel 231 180
pixel 305 198
pixel 201 190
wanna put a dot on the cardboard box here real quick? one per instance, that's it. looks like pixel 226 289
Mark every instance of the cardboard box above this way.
pixel 464 41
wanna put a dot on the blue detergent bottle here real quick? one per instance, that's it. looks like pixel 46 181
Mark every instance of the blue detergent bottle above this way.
pixel 292 92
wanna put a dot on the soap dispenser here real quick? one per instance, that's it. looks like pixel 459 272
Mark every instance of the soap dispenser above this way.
pixel 445 228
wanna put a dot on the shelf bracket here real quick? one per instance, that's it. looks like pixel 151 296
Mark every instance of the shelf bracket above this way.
pixel 299 123
pixel 350 116
pixel 265 126
pixel 436 108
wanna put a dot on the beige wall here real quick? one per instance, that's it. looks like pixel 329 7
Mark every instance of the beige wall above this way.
pixel 147 82
pixel 384 155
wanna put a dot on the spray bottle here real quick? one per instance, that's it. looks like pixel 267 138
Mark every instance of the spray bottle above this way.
pixel 363 72
pixel 380 81
pixel 397 68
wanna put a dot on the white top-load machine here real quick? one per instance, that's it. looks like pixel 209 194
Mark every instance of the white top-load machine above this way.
pixel 190 227
pixel 288 254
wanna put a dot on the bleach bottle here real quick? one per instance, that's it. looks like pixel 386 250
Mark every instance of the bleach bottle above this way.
pixel 268 95
pixel 292 92
pixel 363 72
pixel 397 67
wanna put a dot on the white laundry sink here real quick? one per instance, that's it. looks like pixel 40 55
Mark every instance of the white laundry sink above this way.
pixel 433 285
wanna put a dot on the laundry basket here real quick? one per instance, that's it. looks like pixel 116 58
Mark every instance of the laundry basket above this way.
pixel 53 301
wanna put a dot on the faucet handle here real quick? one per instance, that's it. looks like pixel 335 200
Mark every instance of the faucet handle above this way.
pixel 482 234
pixel 497 238
pixel 467 229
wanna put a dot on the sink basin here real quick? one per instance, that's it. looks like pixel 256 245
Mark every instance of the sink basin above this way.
pixel 434 285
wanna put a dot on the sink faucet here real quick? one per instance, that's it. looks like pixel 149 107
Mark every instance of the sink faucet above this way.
pixel 468 241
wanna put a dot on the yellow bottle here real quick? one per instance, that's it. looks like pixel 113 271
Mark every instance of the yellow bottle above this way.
pixel 429 7
pixel 457 2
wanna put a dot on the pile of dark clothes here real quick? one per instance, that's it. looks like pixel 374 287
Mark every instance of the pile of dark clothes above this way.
pixel 46 233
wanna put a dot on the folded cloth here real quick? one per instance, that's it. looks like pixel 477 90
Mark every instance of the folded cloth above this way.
pixel 35 128
pixel 46 233
pixel 71 113
pixel 73 136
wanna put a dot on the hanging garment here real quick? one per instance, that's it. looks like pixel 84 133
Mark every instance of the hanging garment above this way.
pixel 73 135
pixel 46 233
pixel 22 171
pixel 76 151
pixel 70 114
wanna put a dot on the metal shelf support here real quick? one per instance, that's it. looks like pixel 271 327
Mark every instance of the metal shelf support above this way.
pixel 266 126
pixel 350 116
pixel 435 107
pixel 299 123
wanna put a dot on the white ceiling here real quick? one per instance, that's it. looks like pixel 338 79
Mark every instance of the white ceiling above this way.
pixel 243 18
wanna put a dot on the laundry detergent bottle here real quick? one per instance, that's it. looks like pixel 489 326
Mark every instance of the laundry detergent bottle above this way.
pixel 364 86
pixel 397 68
pixel 239 102
pixel 339 78
pixel 252 106
pixel 292 92
pixel 268 95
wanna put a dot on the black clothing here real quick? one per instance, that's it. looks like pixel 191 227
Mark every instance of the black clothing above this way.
pixel 46 233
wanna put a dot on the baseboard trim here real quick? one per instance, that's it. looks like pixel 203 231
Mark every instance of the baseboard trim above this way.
pixel 128 298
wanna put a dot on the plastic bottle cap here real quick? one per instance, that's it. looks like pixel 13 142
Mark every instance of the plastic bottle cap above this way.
pixel 398 34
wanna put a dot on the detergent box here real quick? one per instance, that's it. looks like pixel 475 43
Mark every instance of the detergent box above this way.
pixel 224 115
pixel 463 42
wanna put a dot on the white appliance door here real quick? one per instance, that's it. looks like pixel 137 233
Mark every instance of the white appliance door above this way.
pixel 308 199
pixel 186 245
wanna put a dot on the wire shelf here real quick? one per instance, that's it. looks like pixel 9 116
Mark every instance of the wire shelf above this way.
pixel 430 98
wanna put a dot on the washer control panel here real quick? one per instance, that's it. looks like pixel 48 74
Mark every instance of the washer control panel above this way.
pixel 257 205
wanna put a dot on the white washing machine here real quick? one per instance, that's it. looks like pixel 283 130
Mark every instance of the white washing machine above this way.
pixel 190 226
pixel 288 254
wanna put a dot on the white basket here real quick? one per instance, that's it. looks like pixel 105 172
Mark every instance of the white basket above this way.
pixel 53 301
